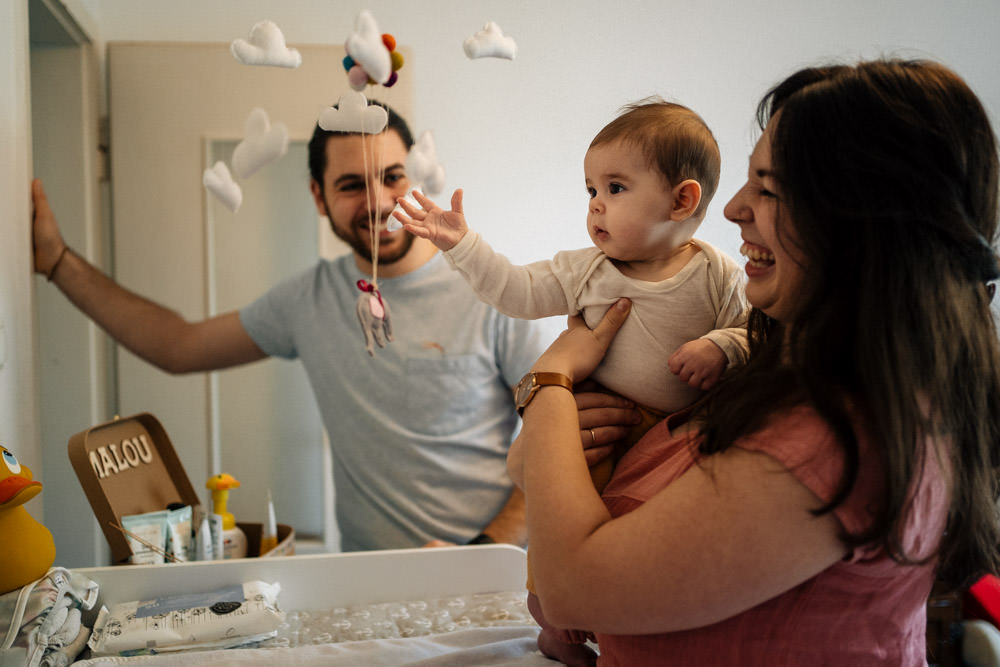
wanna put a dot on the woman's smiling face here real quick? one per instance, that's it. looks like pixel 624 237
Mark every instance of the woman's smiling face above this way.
pixel 774 268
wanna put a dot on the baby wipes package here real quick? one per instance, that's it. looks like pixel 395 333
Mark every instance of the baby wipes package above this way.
pixel 223 618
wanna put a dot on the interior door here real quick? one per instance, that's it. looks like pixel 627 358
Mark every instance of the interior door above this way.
pixel 174 110
pixel 73 354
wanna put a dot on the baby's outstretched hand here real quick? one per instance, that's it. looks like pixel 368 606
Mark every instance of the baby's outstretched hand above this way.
pixel 443 228
pixel 699 363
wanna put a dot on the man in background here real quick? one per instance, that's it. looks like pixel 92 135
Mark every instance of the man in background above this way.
pixel 419 432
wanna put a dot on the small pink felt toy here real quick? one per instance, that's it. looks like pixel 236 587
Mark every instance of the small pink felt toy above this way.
pixel 373 313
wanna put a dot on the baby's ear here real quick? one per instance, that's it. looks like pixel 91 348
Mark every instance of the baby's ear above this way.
pixel 687 196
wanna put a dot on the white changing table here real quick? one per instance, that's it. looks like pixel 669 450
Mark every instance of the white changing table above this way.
pixel 323 581
pixel 328 580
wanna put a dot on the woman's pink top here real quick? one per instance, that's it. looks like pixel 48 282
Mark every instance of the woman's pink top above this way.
pixel 865 610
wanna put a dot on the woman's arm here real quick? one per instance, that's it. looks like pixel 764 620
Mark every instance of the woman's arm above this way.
pixel 575 354
pixel 604 419
pixel 722 538
pixel 716 542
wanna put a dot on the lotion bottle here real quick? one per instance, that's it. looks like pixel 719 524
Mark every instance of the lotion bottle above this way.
pixel 234 541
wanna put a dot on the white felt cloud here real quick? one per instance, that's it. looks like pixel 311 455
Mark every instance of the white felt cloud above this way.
pixel 265 46
pixel 490 42
pixel 354 114
pixel 422 165
pixel 393 224
pixel 366 47
pixel 262 143
pixel 220 183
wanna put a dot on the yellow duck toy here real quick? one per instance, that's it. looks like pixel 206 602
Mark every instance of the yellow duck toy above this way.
pixel 220 485
pixel 28 550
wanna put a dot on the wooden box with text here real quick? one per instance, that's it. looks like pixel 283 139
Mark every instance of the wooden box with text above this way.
pixel 128 466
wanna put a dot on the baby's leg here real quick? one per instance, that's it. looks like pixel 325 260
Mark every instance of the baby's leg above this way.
pixel 567 646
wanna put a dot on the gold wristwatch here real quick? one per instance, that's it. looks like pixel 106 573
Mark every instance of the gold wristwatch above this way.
pixel 532 382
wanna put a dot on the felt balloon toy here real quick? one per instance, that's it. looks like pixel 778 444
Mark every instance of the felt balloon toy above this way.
pixel 359 78
pixel 366 48
pixel 28 549
pixel 371 58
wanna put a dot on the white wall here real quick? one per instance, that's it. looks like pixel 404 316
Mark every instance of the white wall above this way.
pixel 513 134
pixel 18 420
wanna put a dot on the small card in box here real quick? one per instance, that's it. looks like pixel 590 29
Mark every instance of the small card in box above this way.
pixel 128 466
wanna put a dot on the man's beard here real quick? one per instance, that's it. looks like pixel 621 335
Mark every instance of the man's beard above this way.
pixel 361 243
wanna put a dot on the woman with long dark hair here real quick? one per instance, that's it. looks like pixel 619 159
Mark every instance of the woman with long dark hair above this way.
pixel 801 513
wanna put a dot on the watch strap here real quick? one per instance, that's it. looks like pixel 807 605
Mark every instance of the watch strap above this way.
pixel 553 380
pixel 539 380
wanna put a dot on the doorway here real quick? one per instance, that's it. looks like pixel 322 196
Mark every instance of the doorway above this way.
pixel 177 109
pixel 74 387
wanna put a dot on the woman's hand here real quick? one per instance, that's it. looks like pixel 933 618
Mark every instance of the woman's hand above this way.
pixel 579 349
pixel 605 418
pixel 576 353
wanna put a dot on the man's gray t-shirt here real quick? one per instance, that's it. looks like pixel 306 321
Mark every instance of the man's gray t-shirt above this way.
pixel 419 432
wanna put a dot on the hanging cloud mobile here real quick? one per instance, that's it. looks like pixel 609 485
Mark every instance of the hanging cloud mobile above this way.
pixel 265 46
pixel 490 42
pixel 220 183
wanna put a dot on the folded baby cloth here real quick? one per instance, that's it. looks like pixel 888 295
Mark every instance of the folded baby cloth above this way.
pixel 41 623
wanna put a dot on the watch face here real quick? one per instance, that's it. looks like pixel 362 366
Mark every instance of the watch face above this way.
pixel 522 392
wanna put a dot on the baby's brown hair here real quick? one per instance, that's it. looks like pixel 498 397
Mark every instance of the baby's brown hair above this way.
pixel 675 141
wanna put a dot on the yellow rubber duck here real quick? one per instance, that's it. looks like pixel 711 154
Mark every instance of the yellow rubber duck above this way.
pixel 220 485
pixel 28 549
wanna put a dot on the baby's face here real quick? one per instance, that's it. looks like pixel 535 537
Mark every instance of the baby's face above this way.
pixel 630 204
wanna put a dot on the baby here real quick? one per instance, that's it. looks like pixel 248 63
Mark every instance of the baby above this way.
pixel 650 174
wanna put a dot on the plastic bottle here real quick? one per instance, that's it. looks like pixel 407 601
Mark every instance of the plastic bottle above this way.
pixel 269 536
pixel 234 541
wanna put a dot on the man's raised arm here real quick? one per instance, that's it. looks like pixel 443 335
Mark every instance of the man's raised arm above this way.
pixel 155 333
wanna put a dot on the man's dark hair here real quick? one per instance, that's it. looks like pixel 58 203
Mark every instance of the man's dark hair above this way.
pixel 317 144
